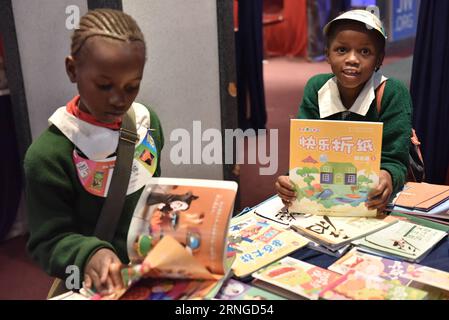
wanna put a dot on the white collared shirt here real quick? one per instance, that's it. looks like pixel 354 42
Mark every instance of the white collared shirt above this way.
pixel 96 142
pixel 329 100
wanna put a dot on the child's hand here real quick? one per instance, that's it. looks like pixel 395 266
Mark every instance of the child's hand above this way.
pixel 285 190
pixel 379 196
pixel 103 271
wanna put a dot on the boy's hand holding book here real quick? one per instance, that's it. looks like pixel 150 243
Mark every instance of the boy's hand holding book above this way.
pixel 379 196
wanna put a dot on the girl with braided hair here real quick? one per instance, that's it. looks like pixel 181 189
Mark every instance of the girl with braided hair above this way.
pixel 69 166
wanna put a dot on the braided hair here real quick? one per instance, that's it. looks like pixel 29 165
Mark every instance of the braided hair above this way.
pixel 108 23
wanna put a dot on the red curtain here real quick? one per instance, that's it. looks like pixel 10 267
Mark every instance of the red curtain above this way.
pixel 289 36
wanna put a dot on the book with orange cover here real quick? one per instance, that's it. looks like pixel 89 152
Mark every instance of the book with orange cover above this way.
pixel 177 239
pixel 334 165
pixel 422 196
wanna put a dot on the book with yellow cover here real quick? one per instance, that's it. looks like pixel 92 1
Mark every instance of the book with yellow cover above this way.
pixel 333 165
pixel 256 242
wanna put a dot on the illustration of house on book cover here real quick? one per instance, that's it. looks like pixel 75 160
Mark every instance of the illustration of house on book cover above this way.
pixel 333 165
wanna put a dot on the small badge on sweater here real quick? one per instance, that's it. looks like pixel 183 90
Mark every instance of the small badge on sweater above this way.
pixel 95 175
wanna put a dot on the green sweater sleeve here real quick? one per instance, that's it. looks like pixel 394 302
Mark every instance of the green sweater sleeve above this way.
pixel 396 110
pixel 56 239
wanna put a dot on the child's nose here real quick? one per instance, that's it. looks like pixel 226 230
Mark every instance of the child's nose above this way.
pixel 117 99
pixel 352 57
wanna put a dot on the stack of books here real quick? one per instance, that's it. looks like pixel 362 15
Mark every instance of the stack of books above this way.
pixel 335 233
pixel 404 240
pixel 429 201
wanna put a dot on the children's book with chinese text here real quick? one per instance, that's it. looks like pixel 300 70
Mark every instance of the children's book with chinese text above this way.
pixel 298 277
pixel 403 240
pixel 334 165
pixel 405 273
pixel 256 242
pixel 336 232
pixel 355 285
pixel 274 210
pixel 178 232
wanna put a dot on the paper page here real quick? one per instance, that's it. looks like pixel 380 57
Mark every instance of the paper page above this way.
pixel 194 212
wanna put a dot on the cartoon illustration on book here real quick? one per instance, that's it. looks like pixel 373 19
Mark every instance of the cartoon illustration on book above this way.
pixel 256 242
pixel 333 166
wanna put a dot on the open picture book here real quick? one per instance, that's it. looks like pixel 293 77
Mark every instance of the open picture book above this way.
pixel 334 165
pixel 177 240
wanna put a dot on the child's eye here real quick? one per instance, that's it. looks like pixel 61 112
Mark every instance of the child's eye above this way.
pixel 132 88
pixel 365 52
pixel 105 87
pixel 341 50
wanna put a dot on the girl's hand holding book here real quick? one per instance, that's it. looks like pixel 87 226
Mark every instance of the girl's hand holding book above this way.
pixel 103 272
pixel 285 190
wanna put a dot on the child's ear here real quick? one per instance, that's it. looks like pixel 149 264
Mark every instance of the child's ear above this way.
pixel 70 68
pixel 380 61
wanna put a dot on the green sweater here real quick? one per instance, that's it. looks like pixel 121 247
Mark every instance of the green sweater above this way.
pixel 396 110
pixel 61 214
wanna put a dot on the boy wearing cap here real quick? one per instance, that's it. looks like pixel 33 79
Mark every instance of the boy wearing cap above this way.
pixel 355 50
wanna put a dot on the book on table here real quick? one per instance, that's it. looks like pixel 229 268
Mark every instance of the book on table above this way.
pixel 274 210
pixel 256 242
pixel 336 232
pixel 294 279
pixel 236 290
pixel 422 196
pixel 355 285
pixel 404 240
pixel 435 282
pixel 334 165
pixel 426 200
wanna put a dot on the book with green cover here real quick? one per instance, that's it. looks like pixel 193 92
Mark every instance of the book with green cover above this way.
pixel 424 221
pixel 403 240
